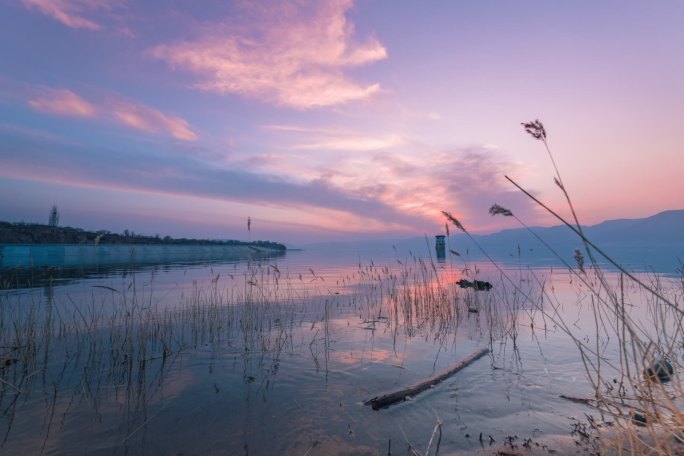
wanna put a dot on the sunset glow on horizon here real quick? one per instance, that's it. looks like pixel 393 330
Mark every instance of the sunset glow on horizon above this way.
pixel 337 119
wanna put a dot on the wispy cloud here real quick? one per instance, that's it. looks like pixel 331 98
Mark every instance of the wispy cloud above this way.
pixel 64 102
pixel 72 13
pixel 150 120
pixel 334 139
pixel 420 183
pixel 299 129
pixel 353 143
pixel 414 178
pixel 401 191
pixel 468 181
pixel 281 52
pixel 44 160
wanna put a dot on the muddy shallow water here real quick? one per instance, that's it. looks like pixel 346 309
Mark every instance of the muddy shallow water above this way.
pixel 278 357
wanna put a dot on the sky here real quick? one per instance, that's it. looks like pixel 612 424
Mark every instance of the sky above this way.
pixel 335 120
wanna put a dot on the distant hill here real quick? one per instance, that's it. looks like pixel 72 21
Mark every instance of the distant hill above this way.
pixel 653 242
pixel 663 228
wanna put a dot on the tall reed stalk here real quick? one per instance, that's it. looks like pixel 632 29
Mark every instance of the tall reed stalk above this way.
pixel 647 408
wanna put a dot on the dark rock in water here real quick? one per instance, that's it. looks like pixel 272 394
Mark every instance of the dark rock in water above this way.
pixel 661 371
pixel 638 418
pixel 476 284
pixel 4 362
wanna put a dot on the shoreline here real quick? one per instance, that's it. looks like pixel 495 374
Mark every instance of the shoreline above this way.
pixel 37 234
pixel 25 256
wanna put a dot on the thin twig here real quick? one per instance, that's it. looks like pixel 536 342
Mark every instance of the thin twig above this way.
pixel 145 422
pixel 11 386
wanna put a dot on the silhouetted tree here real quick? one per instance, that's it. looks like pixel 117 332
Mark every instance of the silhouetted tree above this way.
pixel 53 220
pixel 249 228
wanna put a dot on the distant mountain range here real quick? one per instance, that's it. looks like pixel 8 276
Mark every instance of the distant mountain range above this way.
pixel 653 243
pixel 663 228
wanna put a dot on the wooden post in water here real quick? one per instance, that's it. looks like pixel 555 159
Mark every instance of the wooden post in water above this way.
pixel 440 246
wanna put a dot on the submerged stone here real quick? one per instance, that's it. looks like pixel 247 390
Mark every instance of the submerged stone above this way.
pixel 638 418
pixel 476 284
pixel 661 370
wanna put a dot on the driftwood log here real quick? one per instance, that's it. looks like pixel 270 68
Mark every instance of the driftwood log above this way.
pixel 388 399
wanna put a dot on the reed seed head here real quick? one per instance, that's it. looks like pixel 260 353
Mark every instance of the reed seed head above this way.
pixel 454 220
pixel 499 210
pixel 535 129
pixel 558 183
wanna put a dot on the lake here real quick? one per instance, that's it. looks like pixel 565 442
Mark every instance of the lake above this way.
pixel 278 356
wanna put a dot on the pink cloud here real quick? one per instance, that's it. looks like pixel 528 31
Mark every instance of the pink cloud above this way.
pixel 63 102
pixel 414 178
pixel 288 55
pixel 351 143
pixel 420 183
pixel 145 118
pixel 71 13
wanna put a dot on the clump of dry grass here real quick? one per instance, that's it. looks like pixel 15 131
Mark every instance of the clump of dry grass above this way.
pixel 622 387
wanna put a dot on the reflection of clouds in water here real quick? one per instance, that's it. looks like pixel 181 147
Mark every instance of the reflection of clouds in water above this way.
pixel 119 409
pixel 372 355
pixel 329 445
pixel 168 386
pixel 264 389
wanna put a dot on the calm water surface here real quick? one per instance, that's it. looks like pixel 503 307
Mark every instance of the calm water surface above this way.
pixel 278 357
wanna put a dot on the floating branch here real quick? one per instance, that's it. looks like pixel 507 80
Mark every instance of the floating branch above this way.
pixel 388 399
pixel 579 400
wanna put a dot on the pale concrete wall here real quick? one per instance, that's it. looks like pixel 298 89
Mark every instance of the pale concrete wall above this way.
pixel 33 255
